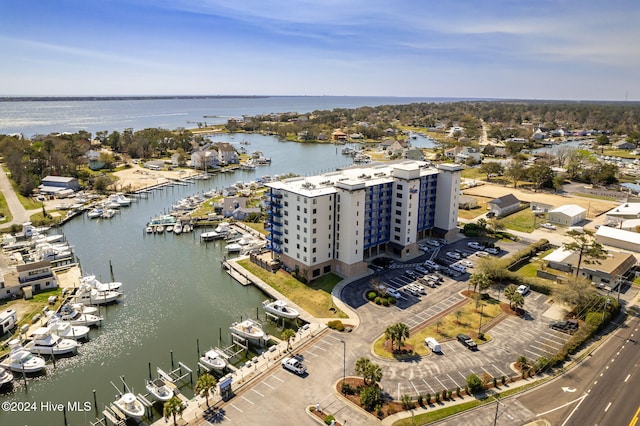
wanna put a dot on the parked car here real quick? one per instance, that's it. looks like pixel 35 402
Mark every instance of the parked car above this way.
pixel 523 289
pixel 566 326
pixel 467 263
pixel 292 364
pixel 492 250
pixel 467 341
pixel 393 292
pixel 433 243
pixel 482 253
pixel 475 245
pixel 453 255
pixel 411 274
pixel 421 270
pixel 431 264
pixel 548 226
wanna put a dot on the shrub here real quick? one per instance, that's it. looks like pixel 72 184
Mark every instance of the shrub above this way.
pixel 378 300
pixel 328 419
pixel 428 398
pixel 370 397
pixel 444 394
pixel 392 300
pixel 504 380
pixel 458 391
pixel 385 302
pixel 347 389
pixel 474 384
pixel 420 400
pixel 437 396
pixel 371 295
pixel 495 382
pixel 407 402
pixel 336 325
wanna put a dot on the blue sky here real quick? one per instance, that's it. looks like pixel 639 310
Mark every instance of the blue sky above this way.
pixel 537 49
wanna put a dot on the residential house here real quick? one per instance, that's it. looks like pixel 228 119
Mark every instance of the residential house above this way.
pixel 453 130
pixel 230 191
pixel 227 153
pixel 177 159
pixel 93 159
pixel 236 208
pixel 538 207
pixel 204 159
pixel 338 136
pixel 28 279
pixel 624 145
pixel 460 154
pixel 567 215
pixel 504 205
pixel 396 147
pixel 467 202
pixel 540 133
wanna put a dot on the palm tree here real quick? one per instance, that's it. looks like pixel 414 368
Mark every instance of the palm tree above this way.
pixel 370 372
pixel 288 334
pixel 390 334
pixel 172 407
pixel 206 382
pixel 509 292
pixel 402 332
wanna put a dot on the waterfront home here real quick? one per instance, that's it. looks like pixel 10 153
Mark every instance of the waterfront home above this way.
pixel 338 136
pixel 624 145
pixel 54 185
pixel 204 159
pixel 27 279
pixel 227 153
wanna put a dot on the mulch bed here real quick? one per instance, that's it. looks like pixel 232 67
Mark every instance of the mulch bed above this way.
pixel 388 407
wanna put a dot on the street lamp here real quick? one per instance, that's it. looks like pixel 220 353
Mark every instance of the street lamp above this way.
pixel 604 308
pixel 344 363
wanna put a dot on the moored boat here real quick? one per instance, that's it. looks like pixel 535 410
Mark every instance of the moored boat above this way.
pixel 66 330
pixel 158 390
pixel 95 213
pixel 21 360
pixel 280 308
pixel 44 342
pixel 5 377
pixel 130 406
pixel 213 360
pixel 248 329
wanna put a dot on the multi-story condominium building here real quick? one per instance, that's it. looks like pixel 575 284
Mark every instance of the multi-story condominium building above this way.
pixel 334 222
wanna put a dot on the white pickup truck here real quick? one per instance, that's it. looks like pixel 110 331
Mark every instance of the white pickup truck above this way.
pixel 294 365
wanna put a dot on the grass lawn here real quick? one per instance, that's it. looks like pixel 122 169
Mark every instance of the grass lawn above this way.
pixel 522 221
pixel 4 210
pixel 448 327
pixel 530 269
pixel 315 298
pixel 257 226
pixel 619 153
pixel 473 213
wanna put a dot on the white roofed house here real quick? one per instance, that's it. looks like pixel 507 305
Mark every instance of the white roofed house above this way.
pixel 204 159
pixel 605 271
pixel 624 211
pixel 567 215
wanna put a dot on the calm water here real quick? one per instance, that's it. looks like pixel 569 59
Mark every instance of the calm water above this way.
pixel 44 117
pixel 175 291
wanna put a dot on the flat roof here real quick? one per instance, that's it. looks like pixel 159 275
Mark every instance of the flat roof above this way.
pixel 619 234
pixel 569 209
pixel 349 178
pixel 625 209
pixel 63 179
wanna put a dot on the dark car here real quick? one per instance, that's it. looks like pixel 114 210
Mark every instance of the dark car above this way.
pixel 467 341
pixel 383 262
pixel 566 326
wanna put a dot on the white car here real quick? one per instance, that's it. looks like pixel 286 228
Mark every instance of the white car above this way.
pixel 475 245
pixel 492 250
pixel 467 263
pixel 482 253
pixel 433 243
pixel 393 292
pixel 431 264
pixel 548 226
pixel 294 365
pixel 453 255
pixel 523 289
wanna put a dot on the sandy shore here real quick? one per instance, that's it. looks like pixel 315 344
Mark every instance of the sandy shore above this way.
pixel 137 177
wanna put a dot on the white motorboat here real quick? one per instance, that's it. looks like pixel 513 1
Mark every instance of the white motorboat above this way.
pixel 186 228
pixel 122 200
pixel 44 342
pixel 76 318
pixel 211 235
pixel 149 229
pixel 159 229
pixel 5 377
pixel 98 285
pixel 66 330
pixel 159 390
pixel 280 308
pixel 249 329
pixel 91 296
pixel 177 228
pixel 169 228
pixel 233 248
pixel 21 360
pixel 223 228
pixel 130 406
pixel 84 309
pixel 213 360
pixel 95 213
pixel 108 213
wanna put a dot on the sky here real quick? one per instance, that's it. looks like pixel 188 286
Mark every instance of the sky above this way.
pixel 514 49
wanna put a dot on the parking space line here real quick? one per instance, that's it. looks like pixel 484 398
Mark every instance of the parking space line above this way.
pixel 311 353
pixel 246 399
pixel 460 373
pixel 267 385
pixel 537 355
pixel 542 349
pixel 318 347
pixel 277 378
pixel 257 392
pixel 555 347
pixel 414 388
pixel 236 407
pixel 329 336
pixel 427 383
pixel 500 371
pixel 454 382
pixel 441 384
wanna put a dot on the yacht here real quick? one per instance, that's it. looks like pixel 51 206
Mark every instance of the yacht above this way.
pixel 76 318
pixel 21 360
pixel 122 200
pixel 159 390
pixel 108 213
pixel 66 330
pixel 130 406
pixel 95 213
pixel 248 329
pixel 91 296
pixel 44 342
pixel 213 360
pixel 100 286
pixel 5 377
pixel 211 235
pixel 233 248
pixel 177 228
pixel 280 308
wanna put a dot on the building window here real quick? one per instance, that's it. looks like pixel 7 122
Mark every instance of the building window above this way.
pixel 313 241
pixel 314 211
pixel 315 220
pixel 398 204
pixel 314 230
pixel 305 210
pixel 313 250
pixel 298 208
pixel 286 241
pixel 399 187
pixel 399 195
pixel 398 221
pixel 397 229
pixel 398 212
pixel 286 204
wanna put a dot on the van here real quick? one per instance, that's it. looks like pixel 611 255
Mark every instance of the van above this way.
pixel 459 268
pixel 433 344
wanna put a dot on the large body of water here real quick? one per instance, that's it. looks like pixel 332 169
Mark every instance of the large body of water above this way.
pixel 44 117
pixel 175 290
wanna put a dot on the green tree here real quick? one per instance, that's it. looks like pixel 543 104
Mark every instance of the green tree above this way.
pixel 401 332
pixel 515 172
pixel 578 294
pixel 172 408
pixel 541 175
pixel 371 373
pixel 204 385
pixel 517 300
pixel 490 168
pixel 474 383
pixel 589 250
pixel 370 397
pixel 288 334
pixel 509 293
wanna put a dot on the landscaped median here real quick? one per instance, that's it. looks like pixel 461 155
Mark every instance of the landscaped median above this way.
pixel 315 297
pixel 460 319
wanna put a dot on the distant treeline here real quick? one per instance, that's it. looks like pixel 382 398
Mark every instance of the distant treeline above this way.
pixel 119 98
